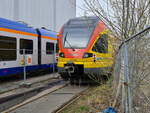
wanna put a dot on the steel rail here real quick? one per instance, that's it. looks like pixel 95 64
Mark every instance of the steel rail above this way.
pixel 30 96
pixel 37 82
pixel 74 98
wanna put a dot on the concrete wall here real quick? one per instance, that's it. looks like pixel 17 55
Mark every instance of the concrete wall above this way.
pixel 51 14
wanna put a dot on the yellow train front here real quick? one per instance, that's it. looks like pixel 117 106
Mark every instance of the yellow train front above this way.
pixel 85 50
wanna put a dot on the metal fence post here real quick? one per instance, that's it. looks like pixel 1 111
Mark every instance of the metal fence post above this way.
pixel 134 74
pixel 128 101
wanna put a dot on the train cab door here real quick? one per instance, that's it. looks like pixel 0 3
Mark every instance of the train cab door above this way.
pixel 102 51
pixel 28 50
pixel 47 51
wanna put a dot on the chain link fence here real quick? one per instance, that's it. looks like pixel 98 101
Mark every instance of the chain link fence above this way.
pixel 132 74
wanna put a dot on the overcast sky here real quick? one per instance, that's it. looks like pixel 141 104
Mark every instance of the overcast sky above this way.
pixel 79 4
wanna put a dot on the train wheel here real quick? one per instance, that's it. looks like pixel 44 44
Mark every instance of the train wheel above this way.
pixel 72 81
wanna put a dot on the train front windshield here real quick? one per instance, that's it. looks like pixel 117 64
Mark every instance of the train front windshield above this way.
pixel 76 37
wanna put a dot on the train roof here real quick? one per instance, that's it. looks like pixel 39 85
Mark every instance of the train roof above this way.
pixel 83 21
pixel 48 33
pixel 9 24
pixel 5 23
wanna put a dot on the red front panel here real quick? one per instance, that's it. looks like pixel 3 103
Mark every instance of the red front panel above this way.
pixel 78 53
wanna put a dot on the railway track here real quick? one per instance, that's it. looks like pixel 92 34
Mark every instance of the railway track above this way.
pixel 36 81
pixel 58 93
pixel 66 104
pixel 12 102
pixel 51 99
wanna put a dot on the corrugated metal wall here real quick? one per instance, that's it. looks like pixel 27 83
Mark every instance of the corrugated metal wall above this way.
pixel 65 9
pixel 7 8
pixel 51 14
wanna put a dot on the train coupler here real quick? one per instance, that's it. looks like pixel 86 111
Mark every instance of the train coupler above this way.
pixel 69 69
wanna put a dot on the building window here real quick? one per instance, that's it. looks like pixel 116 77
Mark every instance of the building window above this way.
pixel 26 45
pixel 49 48
pixel 8 47
pixel 101 46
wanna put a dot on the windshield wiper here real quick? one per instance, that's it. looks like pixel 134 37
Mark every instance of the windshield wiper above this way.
pixel 65 40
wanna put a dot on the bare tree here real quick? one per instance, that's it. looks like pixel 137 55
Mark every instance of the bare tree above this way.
pixel 123 17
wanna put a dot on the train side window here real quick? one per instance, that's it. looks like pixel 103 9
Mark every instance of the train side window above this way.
pixel 49 48
pixel 8 47
pixel 27 45
pixel 101 46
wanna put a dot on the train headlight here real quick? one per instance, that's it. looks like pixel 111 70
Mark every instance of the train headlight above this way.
pixel 87 55
pixel 61 55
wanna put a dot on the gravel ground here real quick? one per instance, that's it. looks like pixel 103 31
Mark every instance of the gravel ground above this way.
pixel 4 87
pixel 52 101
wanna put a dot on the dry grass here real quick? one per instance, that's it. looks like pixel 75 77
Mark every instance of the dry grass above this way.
pixel 96 99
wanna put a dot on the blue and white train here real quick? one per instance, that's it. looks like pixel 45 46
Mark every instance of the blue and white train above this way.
pixel 21 44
